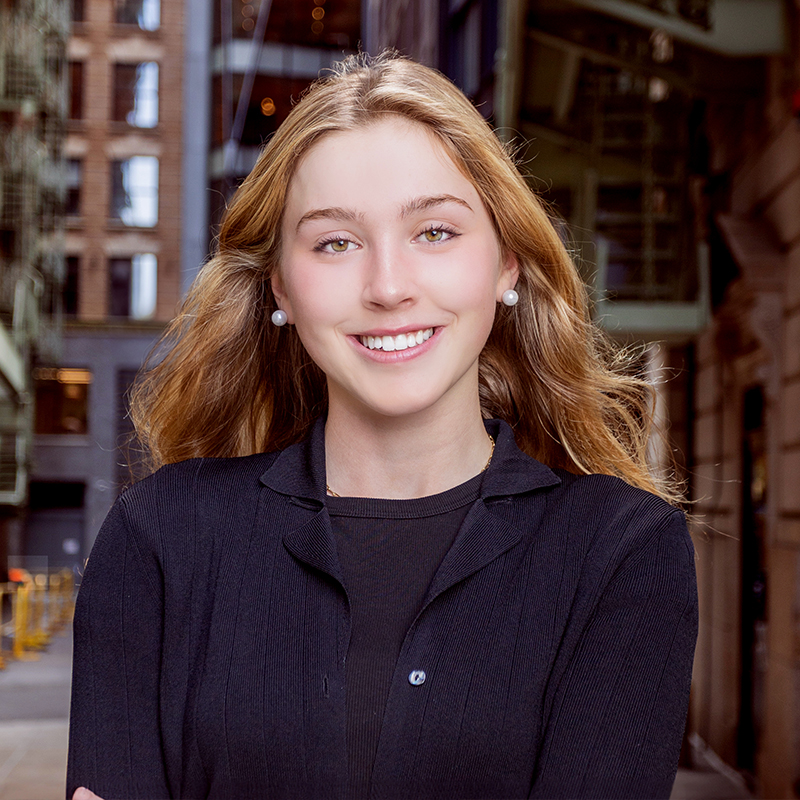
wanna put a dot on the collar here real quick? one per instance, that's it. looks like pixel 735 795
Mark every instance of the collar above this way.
pixel 299 470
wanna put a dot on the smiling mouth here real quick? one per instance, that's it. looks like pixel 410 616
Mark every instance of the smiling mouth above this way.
pixel 403 341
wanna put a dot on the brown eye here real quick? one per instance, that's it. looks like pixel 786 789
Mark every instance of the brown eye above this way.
pixel 434 235
pixel 340 245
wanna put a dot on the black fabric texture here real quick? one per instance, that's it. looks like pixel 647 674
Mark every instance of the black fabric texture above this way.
pixel 389 551
pixel 212 629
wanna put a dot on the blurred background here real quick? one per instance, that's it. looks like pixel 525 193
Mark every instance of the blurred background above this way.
pixel 665 134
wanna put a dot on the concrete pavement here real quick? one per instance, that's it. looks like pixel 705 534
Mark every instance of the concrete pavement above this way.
pixel 34 704
pixel 710 779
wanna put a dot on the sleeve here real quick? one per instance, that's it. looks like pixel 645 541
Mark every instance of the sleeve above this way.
pixel 619 710
pixel 114 739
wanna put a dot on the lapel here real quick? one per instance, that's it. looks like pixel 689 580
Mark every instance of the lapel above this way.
pixel 298 473
pixel 485 535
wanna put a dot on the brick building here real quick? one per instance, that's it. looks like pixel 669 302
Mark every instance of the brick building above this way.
pixel 33 41
pixel 123 214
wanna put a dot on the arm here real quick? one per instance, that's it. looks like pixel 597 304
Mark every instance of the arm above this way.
pixel 619 710
pixel 115 744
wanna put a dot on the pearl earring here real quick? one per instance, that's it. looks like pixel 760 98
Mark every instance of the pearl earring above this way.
pixel 510 297
pixel 279 318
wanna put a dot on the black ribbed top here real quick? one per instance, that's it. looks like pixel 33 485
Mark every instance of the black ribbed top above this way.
pixel 389 551
pixel 211 638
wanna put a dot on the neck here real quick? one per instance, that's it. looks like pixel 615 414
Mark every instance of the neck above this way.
pixel 401 458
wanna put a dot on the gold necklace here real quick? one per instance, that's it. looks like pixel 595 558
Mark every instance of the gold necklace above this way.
pixel 331 493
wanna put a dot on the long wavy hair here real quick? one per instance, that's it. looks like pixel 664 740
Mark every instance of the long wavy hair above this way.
pixel 227 382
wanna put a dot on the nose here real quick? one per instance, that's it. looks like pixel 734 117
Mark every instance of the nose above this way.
pixel 389 280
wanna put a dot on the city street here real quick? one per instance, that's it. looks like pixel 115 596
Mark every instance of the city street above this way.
pixel 34 706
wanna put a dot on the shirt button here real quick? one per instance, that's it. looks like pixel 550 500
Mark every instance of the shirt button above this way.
pixel 417 677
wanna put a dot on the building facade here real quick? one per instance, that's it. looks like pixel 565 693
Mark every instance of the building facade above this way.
pixel 746 700
pixel 263 55
pixel 33 95
pixel 668 136
pixel 123 261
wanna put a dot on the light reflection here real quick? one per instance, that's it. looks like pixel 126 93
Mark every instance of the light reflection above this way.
pixel 145 98
pixel 144 281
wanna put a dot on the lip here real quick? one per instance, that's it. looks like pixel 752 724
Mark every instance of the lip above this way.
pixel 395 331
pixel 394 356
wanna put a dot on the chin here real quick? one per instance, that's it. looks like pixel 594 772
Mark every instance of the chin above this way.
pixel 399 404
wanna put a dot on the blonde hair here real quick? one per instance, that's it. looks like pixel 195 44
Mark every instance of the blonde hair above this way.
pixel 232 384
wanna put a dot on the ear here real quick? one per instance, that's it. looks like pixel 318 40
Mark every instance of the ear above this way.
pixel 509 275
pixel 281 298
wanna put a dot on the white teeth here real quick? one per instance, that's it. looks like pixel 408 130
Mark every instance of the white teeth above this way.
pixel 401 342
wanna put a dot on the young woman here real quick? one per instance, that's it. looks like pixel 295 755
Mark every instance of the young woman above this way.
pixel 403 541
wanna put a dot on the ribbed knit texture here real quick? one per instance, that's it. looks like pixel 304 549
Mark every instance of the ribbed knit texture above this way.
pixel 389 551
pixel 213 624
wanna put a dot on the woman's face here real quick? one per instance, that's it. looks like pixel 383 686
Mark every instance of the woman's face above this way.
pixel 390 270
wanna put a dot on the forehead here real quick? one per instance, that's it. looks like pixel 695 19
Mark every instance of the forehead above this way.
pixel 388 161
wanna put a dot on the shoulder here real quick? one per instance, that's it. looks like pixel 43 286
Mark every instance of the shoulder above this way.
pixel 198 498
pixel 607 518
pixel 619 545
pixel 176 519
pixel 198 479
pixel 610 498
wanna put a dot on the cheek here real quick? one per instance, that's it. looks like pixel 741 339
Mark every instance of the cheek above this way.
pixel 318 298
pixel 472 287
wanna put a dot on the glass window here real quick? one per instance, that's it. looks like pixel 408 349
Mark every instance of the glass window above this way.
pixel 304 22
pixel 132 286
pixel 78 11
pixel 70 290
pixel 62 399
pixel 144 13
pixel 76 90
pixel 134 191
pixel 136 94
pixel 74 179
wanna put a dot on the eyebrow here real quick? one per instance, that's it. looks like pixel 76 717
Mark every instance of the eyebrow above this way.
pixel 334 212
pixel 424 203
pixel 412 206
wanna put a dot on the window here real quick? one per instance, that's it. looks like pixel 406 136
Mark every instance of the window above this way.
pixel 134 191
pixel 144 13
pixel 132 286
pixel 76 90
pixel 72 207
pixel 470 47
pixel 70 291
pixel 136 94
pixel 78 11
pixel 62 397
pixel 303 22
